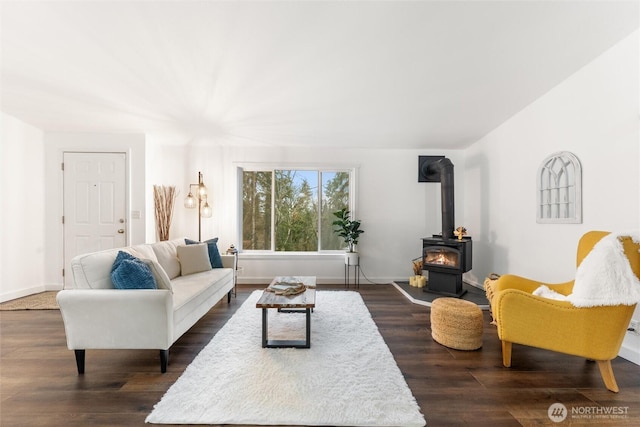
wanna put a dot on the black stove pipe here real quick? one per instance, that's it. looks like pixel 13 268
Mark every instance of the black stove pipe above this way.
pixel 445 168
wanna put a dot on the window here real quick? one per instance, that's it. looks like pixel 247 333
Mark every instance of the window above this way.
pixel 291 210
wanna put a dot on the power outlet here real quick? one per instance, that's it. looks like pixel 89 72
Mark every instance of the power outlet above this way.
pixel 634 327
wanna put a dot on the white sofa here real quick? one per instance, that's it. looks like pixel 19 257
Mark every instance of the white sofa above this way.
pixel 98 316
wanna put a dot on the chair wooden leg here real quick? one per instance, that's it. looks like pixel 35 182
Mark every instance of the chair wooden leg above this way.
pixel 506 353
pixel 606 371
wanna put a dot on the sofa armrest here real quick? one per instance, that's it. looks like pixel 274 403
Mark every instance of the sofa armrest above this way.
pixel 228 261
pixel 117 319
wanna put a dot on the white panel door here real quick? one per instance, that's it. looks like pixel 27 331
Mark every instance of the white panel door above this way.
pixel 94 204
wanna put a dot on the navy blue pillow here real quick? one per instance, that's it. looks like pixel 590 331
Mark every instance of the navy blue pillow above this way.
pixel 214 254
pixel 129 272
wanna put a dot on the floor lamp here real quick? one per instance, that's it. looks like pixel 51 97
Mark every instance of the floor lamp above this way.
pixel 199 201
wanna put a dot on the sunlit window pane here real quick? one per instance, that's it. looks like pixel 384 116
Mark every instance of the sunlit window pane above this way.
pixel 335 196
pixel 256 208
pixel 290 210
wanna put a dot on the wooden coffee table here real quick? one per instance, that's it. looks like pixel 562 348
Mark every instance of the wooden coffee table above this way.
pixel 303 302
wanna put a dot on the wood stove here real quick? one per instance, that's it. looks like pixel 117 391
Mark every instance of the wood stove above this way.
pixel 446 260
pixel 444 256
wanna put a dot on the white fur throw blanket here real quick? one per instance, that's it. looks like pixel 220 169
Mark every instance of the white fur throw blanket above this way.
pixel 544 292
pixel 605 276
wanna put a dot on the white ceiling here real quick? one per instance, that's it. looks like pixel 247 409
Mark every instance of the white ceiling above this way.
pixel 401 74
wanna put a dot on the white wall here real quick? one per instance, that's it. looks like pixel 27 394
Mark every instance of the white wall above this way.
pixel 593 114
pixel 179 166
pixel 395 210
pixel 22 240
pixel 165 166
pixel 55 146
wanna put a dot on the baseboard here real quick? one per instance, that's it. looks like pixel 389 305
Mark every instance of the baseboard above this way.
pixel 244 280
pixel 630 350
pixel 53 287
pixel 466 278
pixel 8 296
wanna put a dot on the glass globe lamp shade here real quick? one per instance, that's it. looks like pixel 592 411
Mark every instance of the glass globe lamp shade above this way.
pixel 190 201
pixel 202 190
pixel 206 210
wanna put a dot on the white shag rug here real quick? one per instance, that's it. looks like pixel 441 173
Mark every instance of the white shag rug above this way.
pixel 347 378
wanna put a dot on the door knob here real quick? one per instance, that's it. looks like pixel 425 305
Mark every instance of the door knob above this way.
pixel 121 231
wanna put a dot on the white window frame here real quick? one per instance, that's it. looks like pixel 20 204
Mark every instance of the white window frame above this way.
pixel 271 167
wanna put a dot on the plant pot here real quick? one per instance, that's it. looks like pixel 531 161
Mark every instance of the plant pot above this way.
pixel 351 258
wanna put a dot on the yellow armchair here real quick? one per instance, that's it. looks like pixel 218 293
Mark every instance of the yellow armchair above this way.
pixel 594 333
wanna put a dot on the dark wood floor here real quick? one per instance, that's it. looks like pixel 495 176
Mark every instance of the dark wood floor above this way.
pixel 40 386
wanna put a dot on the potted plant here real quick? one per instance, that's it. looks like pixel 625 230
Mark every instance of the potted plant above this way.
pixel 350 231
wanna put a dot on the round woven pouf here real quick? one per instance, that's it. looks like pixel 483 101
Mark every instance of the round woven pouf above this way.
pixel 456 323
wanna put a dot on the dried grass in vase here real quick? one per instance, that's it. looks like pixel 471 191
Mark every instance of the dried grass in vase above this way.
pixel 417 266
pixel 164 198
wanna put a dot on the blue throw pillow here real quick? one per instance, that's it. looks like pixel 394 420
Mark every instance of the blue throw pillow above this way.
pixel 129 272
pixel 121 257
pixel 214 253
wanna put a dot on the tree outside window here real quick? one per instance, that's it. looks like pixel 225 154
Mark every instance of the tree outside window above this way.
pixel 290 210
pixel 256 208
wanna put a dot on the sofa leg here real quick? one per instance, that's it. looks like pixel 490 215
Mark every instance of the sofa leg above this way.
pixel 229 297
pixel 164 360
pixel 506 353
pixel 606 371
pixel 80 361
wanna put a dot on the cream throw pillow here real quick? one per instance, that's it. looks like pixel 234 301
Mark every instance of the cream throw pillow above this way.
pixel 194 258
pixel 162 280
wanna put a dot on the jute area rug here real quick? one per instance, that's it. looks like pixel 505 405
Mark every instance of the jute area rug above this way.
pixel 347 378
pixel 41 301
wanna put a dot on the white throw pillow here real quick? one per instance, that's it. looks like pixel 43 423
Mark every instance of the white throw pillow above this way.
pixel 141 251
pixel 194 258
pixel 162 280
pixel 167 257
